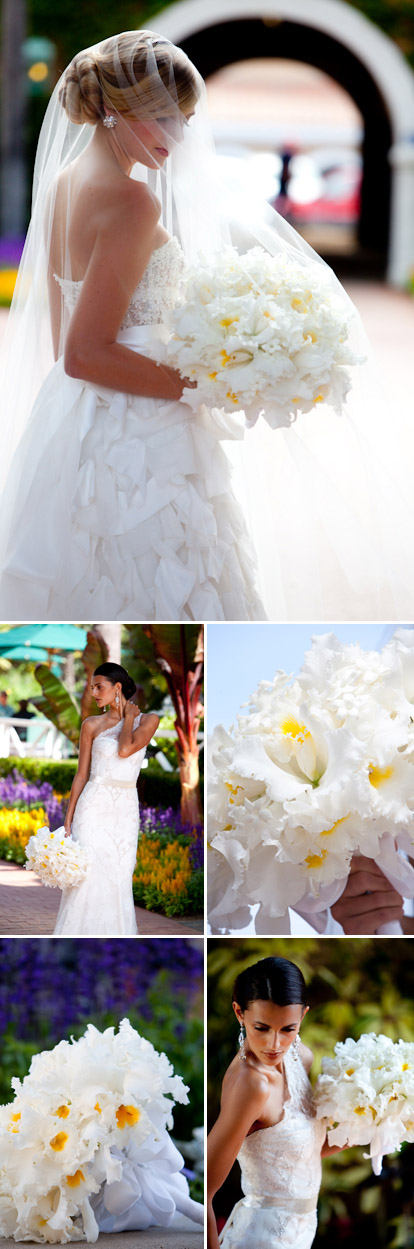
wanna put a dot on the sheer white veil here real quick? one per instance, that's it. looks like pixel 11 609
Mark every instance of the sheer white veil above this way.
pixel 138 84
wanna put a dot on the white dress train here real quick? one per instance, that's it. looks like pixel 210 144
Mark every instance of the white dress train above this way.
pixel 120 507
pixel 281 1175
pixel 105 823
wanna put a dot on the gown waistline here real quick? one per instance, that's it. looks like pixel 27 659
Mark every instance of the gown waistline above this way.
pixel 297 1205
pixel 112 783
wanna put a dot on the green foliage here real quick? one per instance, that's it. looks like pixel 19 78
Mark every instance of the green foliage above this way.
pixel 190 901
pixel 354 986
pixel 59 774
pixel 57 705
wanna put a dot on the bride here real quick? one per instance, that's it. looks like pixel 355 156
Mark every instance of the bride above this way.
pixel 118 500
pixel 267 1119
pixel 103 810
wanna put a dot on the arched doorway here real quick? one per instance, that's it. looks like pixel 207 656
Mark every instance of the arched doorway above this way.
pixel 337 39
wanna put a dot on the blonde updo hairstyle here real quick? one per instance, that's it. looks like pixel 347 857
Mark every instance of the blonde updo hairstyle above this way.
pixel 115 76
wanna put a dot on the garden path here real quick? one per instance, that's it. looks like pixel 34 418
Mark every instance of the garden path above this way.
pixel 28 908
pixel 154 1238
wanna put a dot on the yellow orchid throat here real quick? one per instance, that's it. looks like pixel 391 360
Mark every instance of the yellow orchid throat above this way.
pixel 327 832
pixel 58 1142
pixel 378 775
pixel 315 860
pixel 63 1112
pixel 291 728
pixel 74 1180
pixel 127 1116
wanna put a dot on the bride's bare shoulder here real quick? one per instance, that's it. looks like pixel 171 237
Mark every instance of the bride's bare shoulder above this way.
pixel 306 1056
pixel 244 1080
pixel 125 195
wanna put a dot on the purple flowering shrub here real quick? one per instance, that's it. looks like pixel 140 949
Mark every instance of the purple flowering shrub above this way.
pixel 19 794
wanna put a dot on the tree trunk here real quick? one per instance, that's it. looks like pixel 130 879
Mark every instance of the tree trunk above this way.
pixel 191 810
pixel 111 633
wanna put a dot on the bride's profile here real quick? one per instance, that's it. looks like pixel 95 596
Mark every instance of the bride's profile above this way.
pixel 267 1118
pixel 118 499
pixel 103 813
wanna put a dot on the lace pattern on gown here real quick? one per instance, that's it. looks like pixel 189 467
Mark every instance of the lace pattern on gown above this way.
pixel 105 823
pixel 281 1175
pixel 155 294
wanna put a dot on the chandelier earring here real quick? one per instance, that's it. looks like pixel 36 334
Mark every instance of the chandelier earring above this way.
pixel 117 699
pixel 110 121
pixel 295 1048
pixel 242 1050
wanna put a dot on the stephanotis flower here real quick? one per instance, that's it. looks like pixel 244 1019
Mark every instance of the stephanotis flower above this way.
pixel 316 771
pixel 75 1118
pixel 366 1094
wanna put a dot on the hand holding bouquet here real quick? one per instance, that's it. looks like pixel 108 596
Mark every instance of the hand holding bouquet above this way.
pixel 366 1094
pixel 58 860
pixel 262 333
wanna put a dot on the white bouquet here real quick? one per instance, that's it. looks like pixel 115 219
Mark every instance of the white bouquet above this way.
pixel 319 769
pixel 58 860
pixel 366 1094
pixel 91 1115
pixel 262 333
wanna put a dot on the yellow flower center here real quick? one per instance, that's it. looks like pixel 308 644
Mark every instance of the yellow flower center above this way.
pixel 406 1066
pixel 350 1071
pixel 378 775
pixel 58 1142
pixel 74 1180
pixel 359 1110
pixel 315 860
pixel 327 831
pixel 319 399
pixel 63 1112
pixel 98 1108
pixel 127 1116
pixel 213 376
pixel 228 320
pixel 292 728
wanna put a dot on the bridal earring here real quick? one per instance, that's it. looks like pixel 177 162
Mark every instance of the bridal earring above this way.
pixel 109 121
pixel 117 699
pixel 295 1048
pixel 241 1044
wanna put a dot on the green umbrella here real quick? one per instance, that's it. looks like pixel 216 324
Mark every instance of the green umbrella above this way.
pixel 60 636
pixel 27 653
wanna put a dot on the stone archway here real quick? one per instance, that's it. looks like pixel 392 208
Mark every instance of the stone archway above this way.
pixel 334 37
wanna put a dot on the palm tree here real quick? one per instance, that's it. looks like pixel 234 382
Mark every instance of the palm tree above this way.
pixel 179 654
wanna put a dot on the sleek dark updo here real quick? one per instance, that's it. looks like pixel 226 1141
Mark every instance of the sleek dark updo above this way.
pixel 114 673
pixel 270 980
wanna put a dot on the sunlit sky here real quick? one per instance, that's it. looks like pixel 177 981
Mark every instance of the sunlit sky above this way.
pixel 241 655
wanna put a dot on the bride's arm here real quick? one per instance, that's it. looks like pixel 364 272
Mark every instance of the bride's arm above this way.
pixel 239 1110
pixel 82 774
pixel 132 739
pixel 123 247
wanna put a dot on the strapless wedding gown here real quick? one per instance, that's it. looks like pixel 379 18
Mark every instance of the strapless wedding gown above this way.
pixel 281 1175
pixel 106 824
pixel 120 507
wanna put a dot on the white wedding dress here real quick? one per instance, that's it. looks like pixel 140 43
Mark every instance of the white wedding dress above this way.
pixel 281 1175
pixel 105 823
pixel 120 507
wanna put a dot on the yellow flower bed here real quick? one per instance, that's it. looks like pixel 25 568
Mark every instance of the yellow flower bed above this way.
pixel 15 829
pixel 162 873
pixel 7 285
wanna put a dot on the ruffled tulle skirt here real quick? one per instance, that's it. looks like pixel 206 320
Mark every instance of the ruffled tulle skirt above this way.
pixel 121 507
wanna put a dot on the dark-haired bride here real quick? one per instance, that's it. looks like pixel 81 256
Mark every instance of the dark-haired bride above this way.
pixel 103 814
pixel 267 1118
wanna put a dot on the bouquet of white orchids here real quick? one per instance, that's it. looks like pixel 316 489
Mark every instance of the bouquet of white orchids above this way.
pixel 58 860
pixel 84 1145
pixel 264 334
pixel 321 768
pixel 366 1095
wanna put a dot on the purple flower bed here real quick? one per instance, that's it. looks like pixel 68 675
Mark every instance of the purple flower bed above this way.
pixel 51 986
pixel 10 252
pixel 16 792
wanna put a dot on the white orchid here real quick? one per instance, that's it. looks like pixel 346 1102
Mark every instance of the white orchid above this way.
pixel 77 1113
pixel 366 1094
pixel 59 861
pixel 319 769
pixel 262 332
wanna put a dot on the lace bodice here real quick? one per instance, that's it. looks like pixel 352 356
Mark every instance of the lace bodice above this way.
pixel 107 763
pixel 156 292
pixel 285 1159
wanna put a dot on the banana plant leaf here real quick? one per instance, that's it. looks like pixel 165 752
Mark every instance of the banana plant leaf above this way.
pixel 95 653
pixel 57 704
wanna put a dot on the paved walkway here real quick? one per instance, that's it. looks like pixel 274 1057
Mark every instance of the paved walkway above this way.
pixel 29 909
pixel 154 1238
